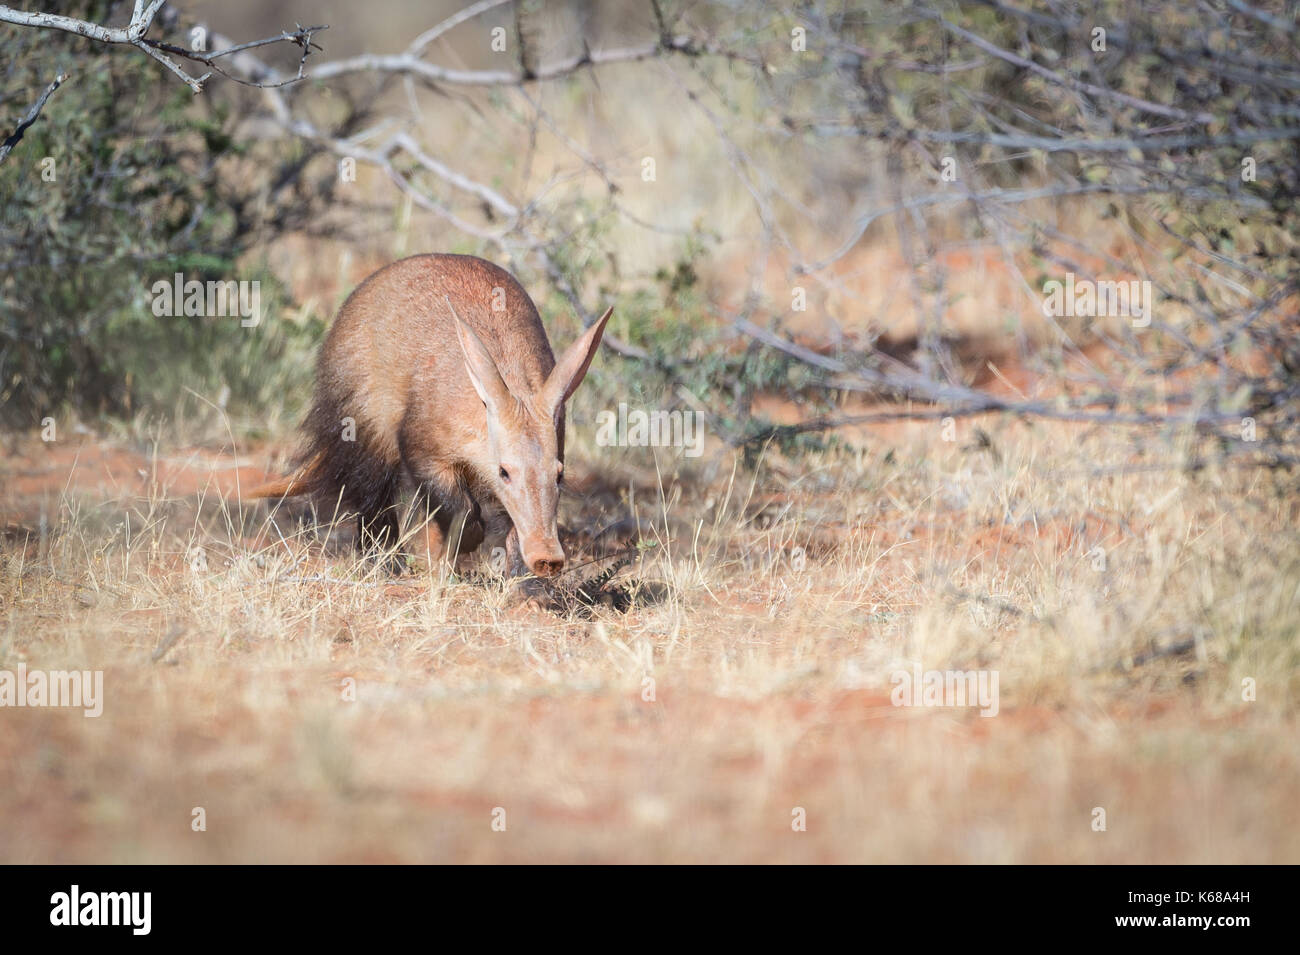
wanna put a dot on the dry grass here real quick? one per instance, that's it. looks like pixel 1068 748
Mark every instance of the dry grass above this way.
pixel 1121 600
pixel 771 684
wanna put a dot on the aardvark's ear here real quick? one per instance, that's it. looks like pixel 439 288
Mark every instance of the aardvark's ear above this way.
pixel 483 374
pixel 573 364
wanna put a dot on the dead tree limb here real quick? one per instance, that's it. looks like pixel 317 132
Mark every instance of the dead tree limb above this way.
pixel 134 34
pixel 30 117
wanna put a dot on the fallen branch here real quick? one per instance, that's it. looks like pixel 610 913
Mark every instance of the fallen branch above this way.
pixel 954 400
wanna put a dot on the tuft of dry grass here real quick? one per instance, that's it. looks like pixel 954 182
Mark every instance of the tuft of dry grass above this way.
pixel 320 711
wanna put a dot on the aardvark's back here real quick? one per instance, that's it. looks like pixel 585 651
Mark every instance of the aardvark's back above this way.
pixel 394 342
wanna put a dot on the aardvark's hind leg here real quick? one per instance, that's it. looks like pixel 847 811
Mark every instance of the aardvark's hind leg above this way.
pixel 379 531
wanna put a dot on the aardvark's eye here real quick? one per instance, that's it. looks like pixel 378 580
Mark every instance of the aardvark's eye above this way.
pixel 505 475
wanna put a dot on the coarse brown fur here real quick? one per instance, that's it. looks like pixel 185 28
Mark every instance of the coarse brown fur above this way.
pixel 406 396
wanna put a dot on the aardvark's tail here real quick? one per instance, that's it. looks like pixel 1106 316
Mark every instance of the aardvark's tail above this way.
pixel 295 485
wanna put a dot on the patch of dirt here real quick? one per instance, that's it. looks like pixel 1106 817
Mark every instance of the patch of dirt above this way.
pixel 38 473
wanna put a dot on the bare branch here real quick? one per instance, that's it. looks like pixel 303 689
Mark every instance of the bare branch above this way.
pixel 410 64
pixel 133 34
pixel 1277 23
pixel 1007 196
pixel 955 401
pixel 194 83
pixel 30 117
pixel 300 37
pixel 1146 106
pixel 428 36
pixel 52 21
pixel 1050 144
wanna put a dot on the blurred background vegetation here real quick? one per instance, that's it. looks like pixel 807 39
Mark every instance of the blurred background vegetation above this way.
pixel 797 149
pixel 137 186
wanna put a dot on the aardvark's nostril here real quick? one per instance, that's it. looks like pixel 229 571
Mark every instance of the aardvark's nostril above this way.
pixel 547 567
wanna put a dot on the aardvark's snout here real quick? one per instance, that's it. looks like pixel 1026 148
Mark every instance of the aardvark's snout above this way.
pixel 545 560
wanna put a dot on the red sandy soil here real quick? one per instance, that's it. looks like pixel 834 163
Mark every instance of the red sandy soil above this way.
pixel 481 709
pixel 42 472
